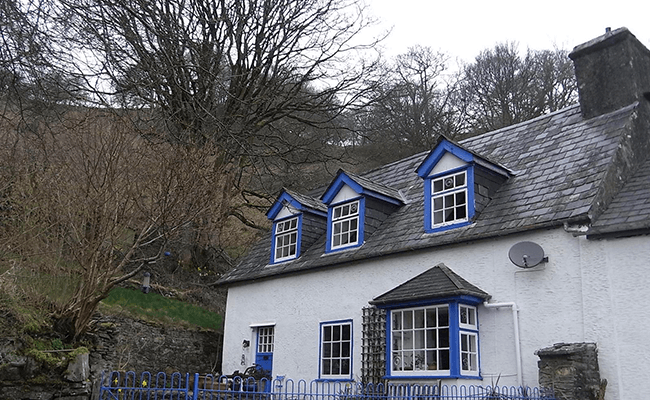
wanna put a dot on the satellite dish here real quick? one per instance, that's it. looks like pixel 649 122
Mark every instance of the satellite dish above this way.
pixel 526 254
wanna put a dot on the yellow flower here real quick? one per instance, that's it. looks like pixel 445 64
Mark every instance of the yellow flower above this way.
pixel 115 381
pixel 144 383
pixel 119 390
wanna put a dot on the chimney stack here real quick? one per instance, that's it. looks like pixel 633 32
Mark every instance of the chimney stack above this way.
pixel 613 71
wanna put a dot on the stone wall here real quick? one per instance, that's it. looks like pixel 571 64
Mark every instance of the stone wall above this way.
pixel 571 370
pixel 116 343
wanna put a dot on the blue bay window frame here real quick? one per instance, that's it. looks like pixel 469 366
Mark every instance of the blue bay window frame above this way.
pixel 329 246
pixel 330 355
pixel 429 225
pixel 298 239
pixel 456 329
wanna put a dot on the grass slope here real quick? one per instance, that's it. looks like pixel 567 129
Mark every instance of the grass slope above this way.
pixel 155 307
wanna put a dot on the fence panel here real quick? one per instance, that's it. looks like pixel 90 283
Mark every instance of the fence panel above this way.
pixel 122 385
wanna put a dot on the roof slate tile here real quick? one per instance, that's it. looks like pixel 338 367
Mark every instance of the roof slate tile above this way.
pixel 558 160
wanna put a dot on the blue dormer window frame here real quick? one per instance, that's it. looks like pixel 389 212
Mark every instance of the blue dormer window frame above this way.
pixel 345 222
pixel 287 235
pixel 449 199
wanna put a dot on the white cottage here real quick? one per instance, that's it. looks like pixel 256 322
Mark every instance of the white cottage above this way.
pixel 460 263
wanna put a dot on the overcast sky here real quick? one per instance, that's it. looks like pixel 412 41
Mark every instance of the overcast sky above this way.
pixel 462 29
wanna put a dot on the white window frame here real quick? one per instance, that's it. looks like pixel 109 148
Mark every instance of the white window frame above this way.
pixel 411 358
pixel 265 339
pixel 335 351
pixel 444 199
pixel 470 317
pixel 347 214
pixel 468 347
pixel 286 230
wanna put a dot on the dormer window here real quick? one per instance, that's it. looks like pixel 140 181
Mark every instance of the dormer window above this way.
pixel 449 199
pixel 345 225
pixel 286 239
pixel 350 198
pixel 457 185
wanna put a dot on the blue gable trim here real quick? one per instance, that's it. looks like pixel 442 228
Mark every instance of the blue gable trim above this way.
pixel 286 198
pixel 445 146
pixel 336 185
pixel 343 179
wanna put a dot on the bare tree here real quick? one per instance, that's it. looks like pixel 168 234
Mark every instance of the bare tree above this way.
pixel 412 106
pixel 210 100
pixel 93 201
pixel 502 88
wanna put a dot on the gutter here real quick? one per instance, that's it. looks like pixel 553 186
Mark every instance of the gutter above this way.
pixel 515 321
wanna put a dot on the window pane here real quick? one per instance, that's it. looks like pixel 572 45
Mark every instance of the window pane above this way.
pixel 397 320
pixel 419 318
pixel 327 367
pixel 437 217
pixel 432 317
pixel 443 316
pixel 408 319
pixel 397 341
pixel 345 366
pixel 419 340
pixel 327 333
pixel 437 186
pixel 327 350
pixel 437 203
pixel 336 333
pixel 345 349
pixel 432 360
pixel 460 198
pixel 443 361
pixel 432 343
pixel 449 215
pixel 408 361
pixel 346 332
pixel 419 360
pixel 449 200
pixel 460 212
pixel 460 179
pixel 408 340
pixel 443 338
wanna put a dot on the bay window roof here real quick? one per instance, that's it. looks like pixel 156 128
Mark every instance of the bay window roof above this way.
pixel 437 282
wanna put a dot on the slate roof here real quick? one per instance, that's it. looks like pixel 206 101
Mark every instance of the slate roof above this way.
pixel 630 209
pixel 558 162
pixel 439 281
pixel 373 186
pixel 307 201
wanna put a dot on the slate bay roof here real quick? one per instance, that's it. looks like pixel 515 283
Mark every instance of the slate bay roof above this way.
pixel 558 161
pixel 439 281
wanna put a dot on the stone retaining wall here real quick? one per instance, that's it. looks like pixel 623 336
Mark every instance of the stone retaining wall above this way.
pixel 117 343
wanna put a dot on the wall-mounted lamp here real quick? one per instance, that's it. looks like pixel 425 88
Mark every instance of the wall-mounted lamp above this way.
pixel 145 283
pixel 245 343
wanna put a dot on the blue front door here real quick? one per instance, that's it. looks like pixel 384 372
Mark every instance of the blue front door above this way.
pixel 264 352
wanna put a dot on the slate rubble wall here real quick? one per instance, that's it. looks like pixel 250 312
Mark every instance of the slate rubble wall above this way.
pixel 117 344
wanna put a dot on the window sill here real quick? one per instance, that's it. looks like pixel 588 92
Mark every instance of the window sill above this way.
pixel 412 377
pixel 334 380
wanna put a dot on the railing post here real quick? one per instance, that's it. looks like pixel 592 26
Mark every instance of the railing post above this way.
pixel 195 390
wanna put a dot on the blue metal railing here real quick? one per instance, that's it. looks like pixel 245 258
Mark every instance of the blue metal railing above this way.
pixel 129 386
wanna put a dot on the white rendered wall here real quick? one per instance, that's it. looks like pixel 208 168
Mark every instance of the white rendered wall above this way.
pixel 588 291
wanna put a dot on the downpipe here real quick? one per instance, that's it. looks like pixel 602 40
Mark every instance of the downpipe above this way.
pixel 515 321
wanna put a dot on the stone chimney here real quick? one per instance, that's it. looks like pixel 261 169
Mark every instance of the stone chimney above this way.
pixel 612 70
